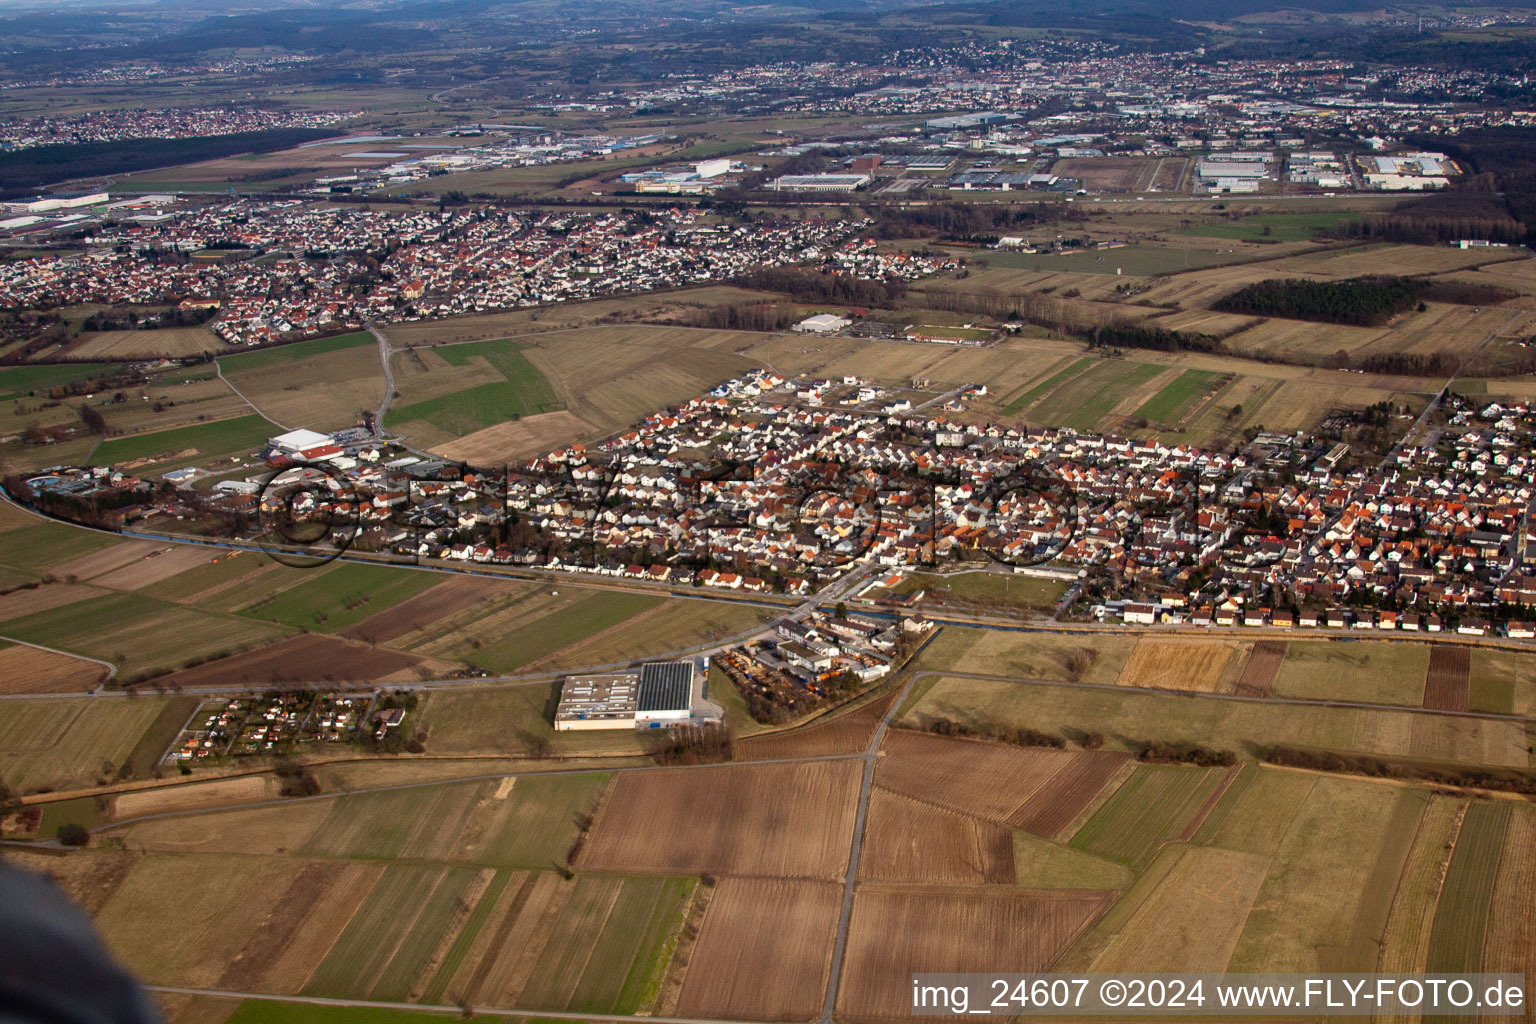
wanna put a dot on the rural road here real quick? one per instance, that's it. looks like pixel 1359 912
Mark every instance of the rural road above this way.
pixel 389 380
pixel 219 372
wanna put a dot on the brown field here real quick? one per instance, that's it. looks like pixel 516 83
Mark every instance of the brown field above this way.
pixel 256 830
pixel 30 670
pixel 504 954
pixel 196 796
pixel 518 439
pixel 214 902
pixel 1178 665
pixel 1203 321
pixel 453 597
pixel 1117 173
pixel 847 733
pixel 313 886
pixel 326 390
pixel 1055 809
pixel 1448 685
pixel 168 341
pixel 784 929
pixel 1033 788
pixel 792 821
pixel 110 558
pixel 43 598
pixel 1192 919
pixel 1258 678
pixel 310 931
pixel 907 840
pixel 305 659
pixel 893 935
pixel 157 565
pixel 1391 259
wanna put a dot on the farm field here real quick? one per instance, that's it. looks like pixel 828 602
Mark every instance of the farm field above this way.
pixel 1129 174
pixel 608 377
pixel 238 436
pixel 1062 657
pixel 1154 806
pixel 1278 227
pixel 786 926
pixel 1376 672
pixel 793 821
pixel 1126 716
pixel 167 341
pixel 1038 790
pixel 30 670
pixel 891 936
pixel 340 595
pixel 64 743
pixel 1201 665
pixel 129 630
pixel 322 385
pixel 469 386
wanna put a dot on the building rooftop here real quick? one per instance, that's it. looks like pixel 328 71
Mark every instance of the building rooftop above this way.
pixel 666 686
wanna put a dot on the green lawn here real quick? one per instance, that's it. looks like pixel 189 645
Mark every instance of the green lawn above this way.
pixel 1170 403
pixel 292 353
pixel 342 596
pixel 988 588
pixel 221 437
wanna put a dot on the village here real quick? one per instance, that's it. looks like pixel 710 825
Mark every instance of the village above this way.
pixel 770 485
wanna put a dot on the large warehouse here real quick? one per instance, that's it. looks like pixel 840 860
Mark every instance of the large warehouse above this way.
pixel 661 694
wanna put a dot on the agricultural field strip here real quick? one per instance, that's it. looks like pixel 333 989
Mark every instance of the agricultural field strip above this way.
pixel 447 1012
pixel 1243 698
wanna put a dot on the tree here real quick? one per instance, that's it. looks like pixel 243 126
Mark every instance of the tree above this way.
pixel 71 834
pixel 94 421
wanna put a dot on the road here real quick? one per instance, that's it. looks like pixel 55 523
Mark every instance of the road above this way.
pixel 389 380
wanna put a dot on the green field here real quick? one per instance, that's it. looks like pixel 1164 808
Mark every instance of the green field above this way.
pixel 139 633
pixel 221 437
pixel 40 546
pixel 275 1011
pixel 1376 672
pixel 387 945
pixel 67 743
pixel 522 391
pixel 342 596
pixel 1151 809
pixel 618 968
pixel 1243 727
pixel 1282 227
pixel 1136 260
pixel 570 624
pixel 988 588
pixel 533 826
pixel 1169 404
pixel 1085 400
pixel 1461 921
pixel 19 381
pixel 292 353
pixel 1014 407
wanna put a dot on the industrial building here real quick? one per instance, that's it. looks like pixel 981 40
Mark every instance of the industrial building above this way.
pixel 819 182
pixel 661 694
